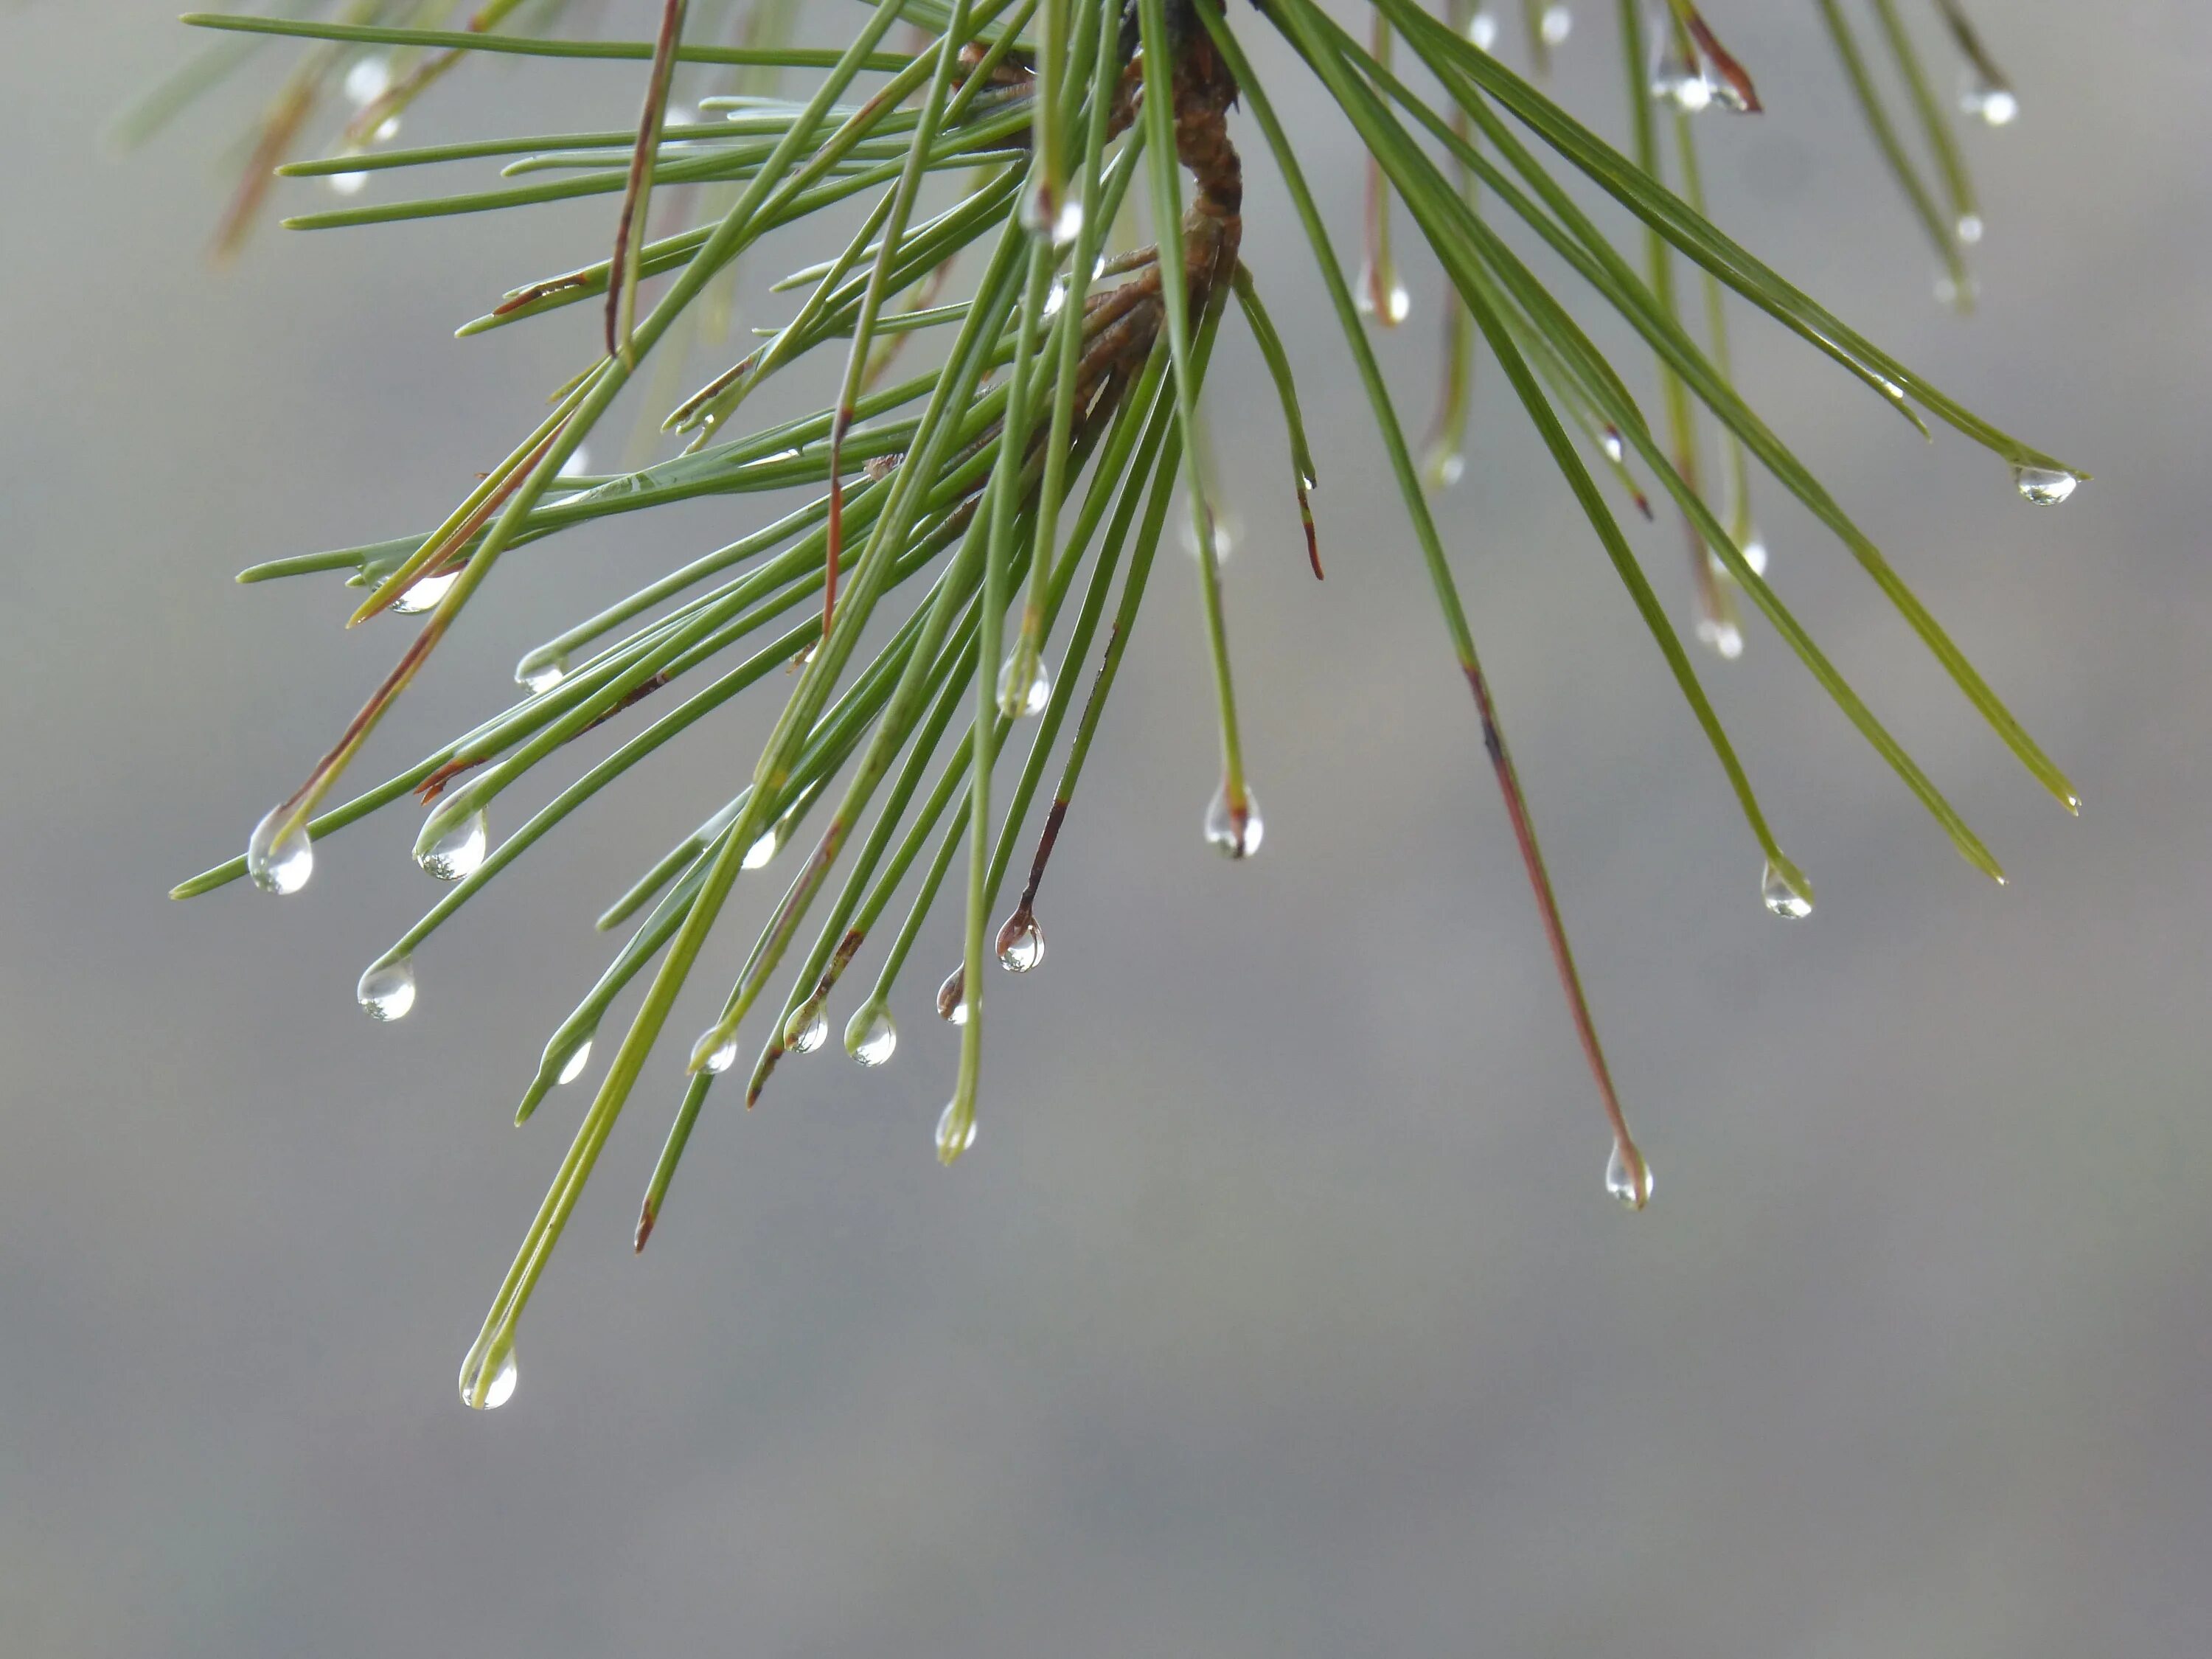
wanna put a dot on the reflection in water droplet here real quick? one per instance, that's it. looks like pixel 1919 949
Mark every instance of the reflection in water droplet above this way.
pixel 806 1030
pixel 1999 106
pixel 720 1058
pixel 1397 304
pixel 1021 943
pixel 388 989
pixel 1782 897
pixel 1620 1179
pixel 1675 80
pixel 572 1064
pixel 1069 224
pixel 542 670
pixel 1016 701
pixel 956 1131
pixel 869 1036
pixel 1482 28
pixel 1558 23
pixel 346 184
pixel 1613 447
pixel 1969 228
pixel 460 852
pixel 425 593
pixel 368 80
pixel 2043 485
pixel 1723 636
pixel 497 1392
pixel 1754 553
pixel 277 865
pixel 1959 293
pixel 1226 532
pixel 1231 835
pixel 952 997
pixel 761 851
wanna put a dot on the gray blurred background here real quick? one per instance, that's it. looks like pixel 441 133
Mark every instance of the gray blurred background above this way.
pixel 1278 1311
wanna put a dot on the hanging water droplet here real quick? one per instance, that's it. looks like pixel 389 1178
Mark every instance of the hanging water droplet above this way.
pixel 280 865
pixel 388 989
pixel 458 852
pixel 573 1062
pixel 1228 530
pixel 1969 228
pixel 1395 304
pixel 720 1054
pixel 956 1131
pixel 1021 943
pixel 2045 486
pixel 368 80
pixel 542 670
pixel 1023 701
pixel 869 1036
pixel 762 851
pixel 1069 224
pixel 1482 29
pixel 1958 292
pixel 346 184
pixel 386 130
pixel 1997 105
pixel 497 1392
pixel 1446 469
pixel 1621 1178
pixel 425 593
pixel 1675 80
pixel 1234 837
pixel 1724 94
pixel 1723 636
pixel 952 997
pixel 1556 25
pixel 806 1030
pixel 1754 552
pixel 1610 440
pixel 1783 896
pixel 1055 296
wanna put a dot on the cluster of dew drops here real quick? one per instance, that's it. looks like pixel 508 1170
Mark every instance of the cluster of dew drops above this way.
pixel 280 854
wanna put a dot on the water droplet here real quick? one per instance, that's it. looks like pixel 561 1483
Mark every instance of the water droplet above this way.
pixel 578 464
pixel 1397 304
pixel 1231 836
pixel 460 852
pixel 1556 25
pixel 952 997
pixel 425 593
pixel 762 851
pixel 1069 224
pixel 542 670
pixel 280 866
pixel 956 1131
pixel 368 80
pixel 2045 486
pixel 1055 296
pixel 1021 943
pixel 1969 228
pixel 1621 1178
pixel 719 1056
pixel 1447 469
pixel 1725 94
pixel 1783 896
pixel 1227 531
pixel 387 130
pixel 1676 81
pixel 388 989
pixel 573 1063
pixel 806 1030
pixel 1482 29
pixel 1892 391
pixel 346 184
pixel 869 1036
pixel 497 1392
pixel 1016 701
pixel 1754 552
pixel 1999 106
pixel 1723 636
pixel 1612 443
pixel 1959 292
